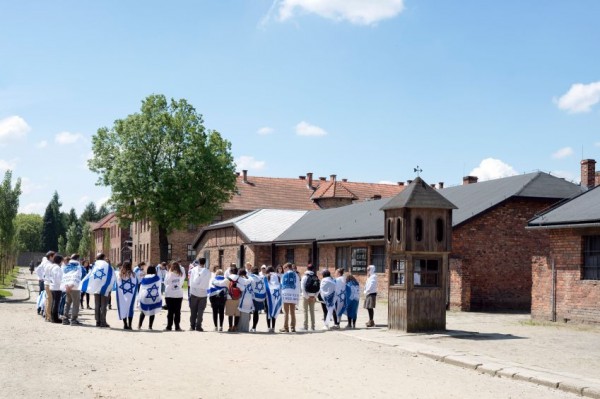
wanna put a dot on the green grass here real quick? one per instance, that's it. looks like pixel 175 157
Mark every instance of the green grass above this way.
pixel 8 280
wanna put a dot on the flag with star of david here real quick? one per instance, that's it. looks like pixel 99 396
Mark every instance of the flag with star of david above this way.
pixel 99 280
pixel 149 295
pixel 340 296
pixel 274 296
pixel 126 295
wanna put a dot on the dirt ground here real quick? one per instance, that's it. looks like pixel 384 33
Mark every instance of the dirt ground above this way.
pixel 47 360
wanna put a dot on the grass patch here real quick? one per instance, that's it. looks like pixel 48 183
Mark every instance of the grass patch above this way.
pixel 9 278
pixel 4 293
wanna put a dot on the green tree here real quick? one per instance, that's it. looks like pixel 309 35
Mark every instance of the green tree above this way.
pixel 85 244
pixel 162 164
pixel 73 238
pixel 29 232
pixel 62 245
pixel 102 211
pixel 54 222
pixel 89 214
pixel 9 205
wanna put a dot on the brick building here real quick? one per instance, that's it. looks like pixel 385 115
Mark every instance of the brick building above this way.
pixel 566 281
pixel 255 192
pixel 110 238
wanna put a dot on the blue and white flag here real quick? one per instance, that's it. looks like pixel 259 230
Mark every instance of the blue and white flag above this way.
pixel 352 298
pixel 41 301
pixel 100 280
pixel 218 286
pixel 328 292
pixel 274 296
pixel 150 298
pixel 340 296
pixel 126 294
pixel 259 288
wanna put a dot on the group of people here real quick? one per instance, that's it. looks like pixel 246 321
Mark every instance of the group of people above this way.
pixel 240 294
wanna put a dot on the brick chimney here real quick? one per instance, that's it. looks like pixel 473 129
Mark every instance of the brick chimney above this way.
pixel 332 177
pixel 409 181
pixel 377 196
pixel 245 176
pixel 588 173
pixel 441 185
pixel 345 180
pixel 322 178
pixel 400 183
pixel 309 178
pixel 470 180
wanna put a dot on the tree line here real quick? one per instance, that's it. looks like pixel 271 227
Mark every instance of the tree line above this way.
pixel 9 205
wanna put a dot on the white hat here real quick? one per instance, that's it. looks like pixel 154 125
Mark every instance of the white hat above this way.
pixel 263 267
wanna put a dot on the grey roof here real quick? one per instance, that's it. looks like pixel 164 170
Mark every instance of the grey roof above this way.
pixel 473 199
pixel 583 209
pixel 359 220
pixel 261 225
pixel 419 195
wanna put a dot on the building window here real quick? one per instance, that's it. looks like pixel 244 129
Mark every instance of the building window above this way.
pixel 221 256
pixel 378 258
pixel 389 230
pixel 169 251
pixel 207 257
pixel 418 229
pixel 191 252
pixel 289 255
pixel 398 268
pixel 399 229
pixel 359 260
pixel 439 230
pixel 341 257
pixel 426 273
pixel 591 258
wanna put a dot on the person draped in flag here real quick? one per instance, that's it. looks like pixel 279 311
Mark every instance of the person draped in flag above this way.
pixel 246 305
pixel 127 284
pixel 217 294
pixel 352 298
pixel 290 293
pixel 340 296
pixel 150 299
pixel 73 273
pixel 327 292
pixel 274 301
pixel 259 295
pixel 99 282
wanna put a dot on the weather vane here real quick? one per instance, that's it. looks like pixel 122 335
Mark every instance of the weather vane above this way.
pixel 418 170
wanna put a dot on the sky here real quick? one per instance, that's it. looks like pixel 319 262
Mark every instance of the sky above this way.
pixel 364 89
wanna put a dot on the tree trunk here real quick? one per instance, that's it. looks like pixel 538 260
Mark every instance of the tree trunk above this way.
pixel 163 244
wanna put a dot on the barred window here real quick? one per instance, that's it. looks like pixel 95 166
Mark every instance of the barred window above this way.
pixel 426 273
pixel 378 258
pixel 591 258
pixel 289 255
pixel 191 252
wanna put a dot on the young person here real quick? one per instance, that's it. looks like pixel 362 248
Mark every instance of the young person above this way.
pixel 48 264
pixel 259 295
pixel 127 284
pixel 352 298
pixel 99 281
pixel 174 295
pixel 290 292
pixel 73 273
pixel 150 298
pixel 340 296
pixel 218 296
pixel 246 306
pixel 273 303
pixel 86 268
pixel 309 285
pixel 371 294
pixel 55 280
pixel 199 281
pixel 234 293
pixel 327 292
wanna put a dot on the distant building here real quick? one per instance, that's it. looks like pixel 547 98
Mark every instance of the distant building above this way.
pixel 110 238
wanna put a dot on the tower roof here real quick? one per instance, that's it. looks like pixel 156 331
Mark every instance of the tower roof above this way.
pixel 419 195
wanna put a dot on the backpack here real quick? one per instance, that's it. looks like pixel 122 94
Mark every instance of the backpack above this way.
pixel 313 284
pixel 234 290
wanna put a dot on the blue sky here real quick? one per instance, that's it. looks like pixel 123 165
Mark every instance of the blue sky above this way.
pixel 366 90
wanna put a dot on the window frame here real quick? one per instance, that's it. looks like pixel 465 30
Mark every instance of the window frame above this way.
pixel 590 268
pixel 426 274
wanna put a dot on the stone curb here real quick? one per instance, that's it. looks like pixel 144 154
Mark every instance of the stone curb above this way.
pixel 495 367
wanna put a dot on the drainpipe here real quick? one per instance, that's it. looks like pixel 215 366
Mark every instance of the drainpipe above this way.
pixel 553 299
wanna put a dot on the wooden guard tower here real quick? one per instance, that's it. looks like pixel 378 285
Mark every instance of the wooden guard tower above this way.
pixel 418 225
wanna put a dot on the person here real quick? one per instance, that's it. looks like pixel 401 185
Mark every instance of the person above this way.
pixel 228 271
pixel 234 293
pixel 174 295
pixel 340 296
pixel 86 268
pixel 55 272
pixel 352 298
pixel 31 267
pixel 127 284
pixel 150 297
pixel 279 271
pixel 63 294
pixel 48 264
pixel 139 271
pixel 39 271
pixel 263 271
pixel 99 282
pixel 371 294
pixel 199 281
pixel 327 291
pixel 73 273
pixel 246 305
pixel 310 288
pixel 290 292
pixel 273 303
pixel 109 297
pixel 218 296
pixel 259 295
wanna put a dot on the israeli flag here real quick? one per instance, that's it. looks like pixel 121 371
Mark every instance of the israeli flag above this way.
pixel 328 292
pixel 340 296
pixel 150 298
pixel 217 285
pixel 100 280
pixel 352 298
pixel 274 296
pixel 41 301
pixel 126 295
pixel 259 288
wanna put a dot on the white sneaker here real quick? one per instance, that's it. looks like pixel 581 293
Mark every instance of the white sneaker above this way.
pixel 216 328
pixel 221 329
pixel 325 327
pixel 253 330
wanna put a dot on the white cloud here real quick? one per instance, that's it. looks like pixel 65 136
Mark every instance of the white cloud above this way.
pixel 6 165
pixel 306 129
pixel 246 162
pixel 42 144
pixel 12 128
pixel 387 182
pixel 359 12
pixel 102 201
pixel 263 131
pixel 491 168
pixel 28 187
pixel 33 207
pixel 580 98
pixel 63 138
pixel 564 174
pixel 563 153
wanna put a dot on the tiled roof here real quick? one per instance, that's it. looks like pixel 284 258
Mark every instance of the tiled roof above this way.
pixel 290 193
pixel 333 189
pixel 102 223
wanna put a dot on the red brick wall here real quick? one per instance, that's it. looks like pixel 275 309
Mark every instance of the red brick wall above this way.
pixel 576 299
pixel 496 250
pixel 460 283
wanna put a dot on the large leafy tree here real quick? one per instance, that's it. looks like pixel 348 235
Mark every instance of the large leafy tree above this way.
pixel 53 224
pixel 162 164
pixel 9 205
pixel 85 244
pixel 73 238
pixel 29 232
